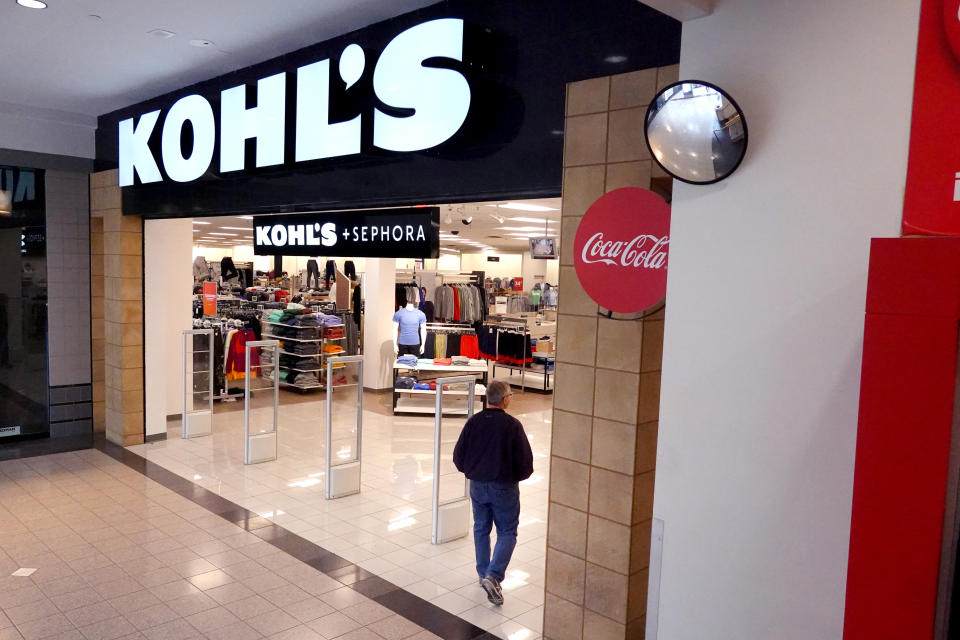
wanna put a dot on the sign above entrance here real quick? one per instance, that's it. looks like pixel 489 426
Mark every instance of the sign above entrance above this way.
pixel 382 233
pixel 459 101
pixel 436 101
pixel 620 250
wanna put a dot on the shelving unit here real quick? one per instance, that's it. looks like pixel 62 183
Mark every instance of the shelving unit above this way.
pixel 306 363
pixel 413 401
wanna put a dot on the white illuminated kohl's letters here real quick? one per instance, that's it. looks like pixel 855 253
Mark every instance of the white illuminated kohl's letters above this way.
pixel 440 99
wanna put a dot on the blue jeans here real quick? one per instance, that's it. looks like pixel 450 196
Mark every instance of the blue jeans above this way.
pixel 495 503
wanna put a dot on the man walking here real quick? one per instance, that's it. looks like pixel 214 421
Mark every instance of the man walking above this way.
pixel 494 453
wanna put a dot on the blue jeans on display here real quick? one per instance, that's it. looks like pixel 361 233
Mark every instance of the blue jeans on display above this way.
pixel 495 503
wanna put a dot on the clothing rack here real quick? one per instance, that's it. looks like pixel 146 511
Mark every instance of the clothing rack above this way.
pixel 521 328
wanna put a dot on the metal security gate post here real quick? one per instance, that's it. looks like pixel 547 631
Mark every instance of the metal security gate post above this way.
pixel 260 447
pixel 196 422
pixel 343 479
pixel 450 518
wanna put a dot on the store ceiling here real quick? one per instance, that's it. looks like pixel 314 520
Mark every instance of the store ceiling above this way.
pixel 89 57
pixel 505 232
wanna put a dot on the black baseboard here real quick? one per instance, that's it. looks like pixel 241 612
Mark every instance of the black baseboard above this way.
pixel 157 437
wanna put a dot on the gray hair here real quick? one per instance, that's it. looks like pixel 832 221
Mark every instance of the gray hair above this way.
pixel 497 390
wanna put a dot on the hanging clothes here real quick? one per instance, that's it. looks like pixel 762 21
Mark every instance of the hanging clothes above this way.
pixel 236 355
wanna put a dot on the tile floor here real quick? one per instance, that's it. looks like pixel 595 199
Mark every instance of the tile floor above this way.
pixel 385 529
pixel 111 553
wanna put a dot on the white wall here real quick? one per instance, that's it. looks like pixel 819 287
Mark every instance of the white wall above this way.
pixel 510 265
pixel 764 320
pixel 168 310
pixel 378 354
pixel 548 270
pixel 47 131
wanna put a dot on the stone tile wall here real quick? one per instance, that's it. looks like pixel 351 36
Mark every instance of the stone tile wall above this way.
pixel 122 311
pixel 96 324
pixel 606 402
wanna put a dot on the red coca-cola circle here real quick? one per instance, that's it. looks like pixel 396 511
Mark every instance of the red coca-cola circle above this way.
pixel 620 250
pixel 951 25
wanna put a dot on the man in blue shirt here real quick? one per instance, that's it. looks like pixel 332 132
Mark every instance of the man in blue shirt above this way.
pixel 494 453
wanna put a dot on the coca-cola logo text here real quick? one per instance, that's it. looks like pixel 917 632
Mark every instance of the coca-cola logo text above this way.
pixel 621 250
pixel 644 251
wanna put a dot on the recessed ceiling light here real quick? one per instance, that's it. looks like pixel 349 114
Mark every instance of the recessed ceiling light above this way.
pixel 202 43
pixel 161 34
pixel 245 217
pixel 200 222
pixel 32 4
pixel 615 59
pixel 237 228
pixel 214 233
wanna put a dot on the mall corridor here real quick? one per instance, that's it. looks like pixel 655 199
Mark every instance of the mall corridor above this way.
pixel 100 544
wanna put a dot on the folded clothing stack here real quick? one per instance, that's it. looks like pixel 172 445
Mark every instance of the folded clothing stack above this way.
pixel 433 386
pixel 306 379
pixel 333 332
pixel 460 361
pixel 405 382
pixel 477 363
pixel 422 386
pixel 332 349
pixel 446 362
pixel 424 361
pixel 302 348
pixel 328 320
pixel 408 360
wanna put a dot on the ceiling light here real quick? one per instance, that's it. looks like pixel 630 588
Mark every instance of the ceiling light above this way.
pixel 615 59
pixel 237 228
pixel 521 228
pixel 214 233
pixel 202 43
pixel 245 217
pixel 200 222
pixel 32 4
pixel 522 206
pixel 161 34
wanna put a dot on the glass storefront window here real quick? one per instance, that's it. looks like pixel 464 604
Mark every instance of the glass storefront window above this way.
pixel 23 304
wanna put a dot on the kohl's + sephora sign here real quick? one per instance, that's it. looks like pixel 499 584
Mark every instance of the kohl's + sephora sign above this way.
pixel 380 233
pixel 439 99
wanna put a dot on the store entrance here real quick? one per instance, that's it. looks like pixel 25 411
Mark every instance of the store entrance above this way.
pixel 490 302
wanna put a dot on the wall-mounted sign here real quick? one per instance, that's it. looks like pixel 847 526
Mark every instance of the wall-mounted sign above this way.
pixel 493 258
pixel 620 250
pixel 459 101
pixel 932 200
pixel 380 233
pixel 9 431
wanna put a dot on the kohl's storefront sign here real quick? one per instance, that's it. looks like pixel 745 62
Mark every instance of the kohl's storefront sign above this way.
pixel 383 233
pixel 424 106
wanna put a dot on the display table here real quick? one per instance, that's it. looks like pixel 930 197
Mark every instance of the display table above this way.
pixel 421 401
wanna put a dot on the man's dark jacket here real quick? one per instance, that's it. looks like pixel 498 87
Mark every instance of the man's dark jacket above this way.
pixel 493 448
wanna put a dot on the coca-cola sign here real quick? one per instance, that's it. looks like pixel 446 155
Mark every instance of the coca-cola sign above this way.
pixel 621 250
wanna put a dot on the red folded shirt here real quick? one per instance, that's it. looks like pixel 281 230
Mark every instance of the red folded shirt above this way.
pixel 443 361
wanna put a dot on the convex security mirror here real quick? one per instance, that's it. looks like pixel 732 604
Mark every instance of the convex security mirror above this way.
pixel 696 132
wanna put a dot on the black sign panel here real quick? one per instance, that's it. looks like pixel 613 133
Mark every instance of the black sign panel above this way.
pixel 381 233
pixel 517 58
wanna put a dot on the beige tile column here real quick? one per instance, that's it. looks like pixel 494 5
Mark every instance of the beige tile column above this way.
pixel 122 311
pixel 97 353
pixel 606 401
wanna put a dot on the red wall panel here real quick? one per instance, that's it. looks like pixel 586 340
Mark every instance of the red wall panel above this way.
pixel 903 438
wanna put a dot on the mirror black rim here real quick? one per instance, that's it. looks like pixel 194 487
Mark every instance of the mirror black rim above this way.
pixel 743 119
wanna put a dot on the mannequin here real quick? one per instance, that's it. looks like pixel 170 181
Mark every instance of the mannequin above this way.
pixel 409 323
